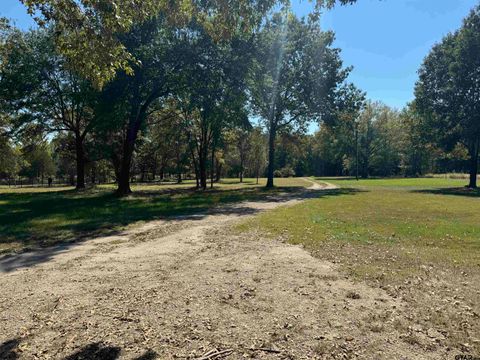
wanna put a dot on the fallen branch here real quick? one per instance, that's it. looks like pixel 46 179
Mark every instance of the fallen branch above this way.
pixel 266 350
pixel 215 354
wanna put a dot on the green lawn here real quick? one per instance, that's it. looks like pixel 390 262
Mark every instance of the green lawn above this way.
pixel 32 217
pixel 427 219
pixel 423 183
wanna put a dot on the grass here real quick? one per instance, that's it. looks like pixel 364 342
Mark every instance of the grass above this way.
pixel 33 217
pixel 400 183
pixel 420 216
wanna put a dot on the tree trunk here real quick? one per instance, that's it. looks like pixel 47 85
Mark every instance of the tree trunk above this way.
pixel 218 172
pixel 195 166
pixel 202 165
pixel 94 175
pixel 474 164
pixel 80 160
pixel 212 172
pixel 179 167
pixel 203 173
pixel 271 155
pixel 126 162
pixel 241 169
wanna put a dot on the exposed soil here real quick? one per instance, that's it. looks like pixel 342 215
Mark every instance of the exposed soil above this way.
pixel 191 287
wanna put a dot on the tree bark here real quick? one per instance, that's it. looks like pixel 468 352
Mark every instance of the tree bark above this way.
pixel 203 174
pixel 218 172
pixel 80 162
pixel 195 167
pixel 212 172
pixel 474 164
pixel 126 162
pixel 179 167
pixel 241 168
pixel 202 162
pixel 137 116
pixel 271 154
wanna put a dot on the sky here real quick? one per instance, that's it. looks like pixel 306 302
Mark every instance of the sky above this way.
pixel 384 40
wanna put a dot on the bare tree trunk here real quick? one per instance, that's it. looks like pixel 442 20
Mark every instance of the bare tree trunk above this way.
pixel 195 167
pixel 212 172
pixel 271 154
pixel 202 162
pixel 474 164
pixel 241 168
pixel 218 172
pixel 126 162
pixel 179 168
pixel 80 162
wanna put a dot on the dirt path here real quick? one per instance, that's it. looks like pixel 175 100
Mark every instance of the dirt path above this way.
pixel 181 288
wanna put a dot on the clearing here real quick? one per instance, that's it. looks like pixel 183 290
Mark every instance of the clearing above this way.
pixel 184 286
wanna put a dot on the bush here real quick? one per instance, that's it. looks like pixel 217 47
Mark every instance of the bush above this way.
pixel 285 172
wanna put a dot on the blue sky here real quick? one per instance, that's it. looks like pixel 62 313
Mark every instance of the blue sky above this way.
pixel 385 40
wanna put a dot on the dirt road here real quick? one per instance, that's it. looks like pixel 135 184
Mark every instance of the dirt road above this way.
pixel 189 287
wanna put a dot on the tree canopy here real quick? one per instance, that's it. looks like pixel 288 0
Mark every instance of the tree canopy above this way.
pixel 88 32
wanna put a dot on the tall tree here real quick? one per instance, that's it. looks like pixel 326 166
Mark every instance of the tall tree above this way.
pixel 416 151
pixel 213 95
pixel 239 144
pixel 448 89
pixel 297 76
pixel 9 156
pixel 128 100
pixel 38 160
pixel 257 156
pixel 37 86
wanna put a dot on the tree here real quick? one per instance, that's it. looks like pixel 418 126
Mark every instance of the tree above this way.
pixel 238 140
pixel 257 156
pixel 38 161
pixel 378 140
pixel 163 146
pixel 37 86
pixel 128 100
pixel 9 154
pixel 448 88
pixel 213 94
pixel 416 151
pixel 297 77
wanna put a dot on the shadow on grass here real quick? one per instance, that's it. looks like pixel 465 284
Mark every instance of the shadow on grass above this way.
pixel 458 191
pixel 94 351
pixel 51 223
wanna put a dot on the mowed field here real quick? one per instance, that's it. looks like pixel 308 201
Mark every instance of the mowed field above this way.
pixel 419 239
pixel 39 217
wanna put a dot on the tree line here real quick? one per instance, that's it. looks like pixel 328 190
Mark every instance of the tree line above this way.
pixel 155 91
